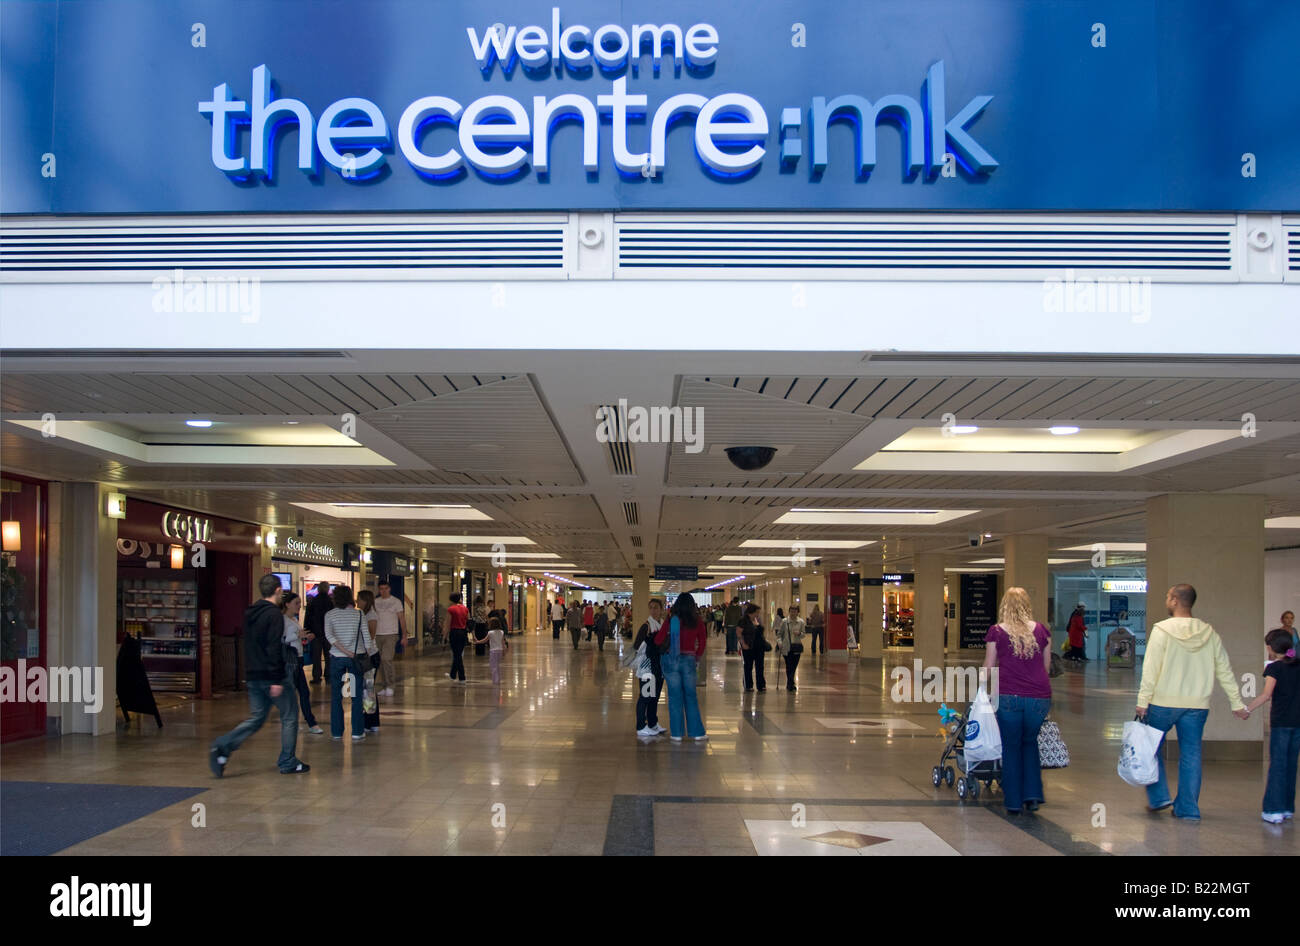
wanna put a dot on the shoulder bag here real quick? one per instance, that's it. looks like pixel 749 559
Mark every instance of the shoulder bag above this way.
pixel 362 663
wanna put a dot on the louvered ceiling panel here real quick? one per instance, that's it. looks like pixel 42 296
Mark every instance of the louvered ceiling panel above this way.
pixel 1041 405
pixel 1247 399
pixel 1130 394
pixel 875 398
pixel 1012 408
pixel 562 513
pixel 733 416
pixel 1210 402
pixel 1157 400
pixel 985 403
pixel 937 399
pixel 495 429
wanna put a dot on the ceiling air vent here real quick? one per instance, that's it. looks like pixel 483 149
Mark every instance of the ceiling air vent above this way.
pixel 289 247
pixel 636 541
pixel 922 246
pixel 621 461
pixel 631 514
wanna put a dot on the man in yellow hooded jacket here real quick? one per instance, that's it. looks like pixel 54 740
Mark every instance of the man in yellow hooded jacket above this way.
pixel 1184 657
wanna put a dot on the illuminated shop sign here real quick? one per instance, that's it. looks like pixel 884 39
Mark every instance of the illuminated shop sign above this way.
pixel 390 106
pixel 498 134
pixel 310 550
pixel 186 526
pixel 1123 586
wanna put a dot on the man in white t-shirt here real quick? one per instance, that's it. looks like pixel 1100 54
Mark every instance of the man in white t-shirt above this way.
pixel 390 616
pixel 557 617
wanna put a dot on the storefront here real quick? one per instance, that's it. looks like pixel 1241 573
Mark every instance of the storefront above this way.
pixel 899 602
pixel 24 505
pixel 184 580
pixel 304 561
pixel 1112 599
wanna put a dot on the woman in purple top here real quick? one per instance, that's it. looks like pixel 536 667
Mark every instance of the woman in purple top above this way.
pixel 1020 648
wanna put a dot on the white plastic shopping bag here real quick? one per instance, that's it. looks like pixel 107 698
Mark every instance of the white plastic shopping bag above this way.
pixel 1137 754
pixel 982 740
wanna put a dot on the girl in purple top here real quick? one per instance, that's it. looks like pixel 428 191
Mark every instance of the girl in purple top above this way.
pixel 1020 648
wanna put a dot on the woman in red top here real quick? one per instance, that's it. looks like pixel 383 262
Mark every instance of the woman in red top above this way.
pixel 457 636
pixel 681 641
pixel 588 617
pixel 1077 630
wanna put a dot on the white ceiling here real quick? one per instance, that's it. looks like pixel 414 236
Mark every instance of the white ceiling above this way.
pixel 513 433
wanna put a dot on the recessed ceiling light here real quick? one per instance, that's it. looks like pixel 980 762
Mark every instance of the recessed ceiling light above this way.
pixel 292 423
pixel 198 423
pixel 1064 431
pixel 963 429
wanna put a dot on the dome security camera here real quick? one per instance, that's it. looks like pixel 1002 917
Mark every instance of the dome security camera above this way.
pixel 750 458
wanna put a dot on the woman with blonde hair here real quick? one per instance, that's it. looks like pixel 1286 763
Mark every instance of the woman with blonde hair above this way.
pixel 1019 649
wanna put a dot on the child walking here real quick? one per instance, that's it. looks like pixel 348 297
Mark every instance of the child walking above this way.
pixel 1282 686
pixel 497 645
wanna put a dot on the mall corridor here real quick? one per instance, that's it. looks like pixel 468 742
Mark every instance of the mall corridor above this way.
pixel 555 746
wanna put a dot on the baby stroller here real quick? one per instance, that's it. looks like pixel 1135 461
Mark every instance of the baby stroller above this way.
pixel 968 785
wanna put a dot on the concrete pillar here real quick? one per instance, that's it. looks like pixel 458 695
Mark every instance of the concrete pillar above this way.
pixel 872 606
pixel 1027 568
pixel 1215 543
pixel 88 632
pixel 928 609
pixel 640 597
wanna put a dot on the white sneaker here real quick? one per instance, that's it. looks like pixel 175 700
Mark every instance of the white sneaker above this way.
pixel 701 738
pixel 657 729
pixel 358 738
pixel 1273 817
pixel 1288 815
pixel 675 738
pixel 646 731
pixel 316 731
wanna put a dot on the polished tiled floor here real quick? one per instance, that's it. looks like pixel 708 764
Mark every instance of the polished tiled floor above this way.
pixel 549 764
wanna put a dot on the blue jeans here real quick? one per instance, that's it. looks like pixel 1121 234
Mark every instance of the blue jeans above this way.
pixel 1283 756
pixel 1190 725
pixel 1019 720
pixel 260 702
pixel 338 667
pixel 679 681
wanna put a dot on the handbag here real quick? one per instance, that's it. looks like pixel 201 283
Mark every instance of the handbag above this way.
pixel 1052 751
pixel 362 663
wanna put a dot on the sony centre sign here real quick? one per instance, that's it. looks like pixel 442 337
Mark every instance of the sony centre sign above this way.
pixel 500 136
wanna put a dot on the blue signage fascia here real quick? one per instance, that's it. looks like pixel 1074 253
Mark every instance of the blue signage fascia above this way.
pixel 129 106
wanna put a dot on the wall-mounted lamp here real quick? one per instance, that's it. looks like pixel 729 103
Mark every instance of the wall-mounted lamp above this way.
pixel 365 556
pixel 115 506
pixel 271 539
pixel 259 538
pixel 178 557
pixel 12 533
pixel 424 568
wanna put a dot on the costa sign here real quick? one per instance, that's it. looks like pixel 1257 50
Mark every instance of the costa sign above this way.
pixel 186 526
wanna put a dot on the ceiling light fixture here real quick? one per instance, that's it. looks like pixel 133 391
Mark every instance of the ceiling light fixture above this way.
pixel 198 423
pixel 1062 431
pixel 963 429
